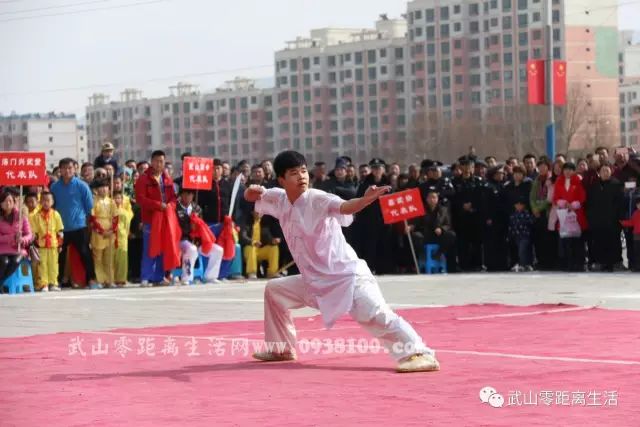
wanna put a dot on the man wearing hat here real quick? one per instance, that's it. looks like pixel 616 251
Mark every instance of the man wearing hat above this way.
pixel 435 182
pixel 106 158
pixel 338 184
pixel 372 235
pixel 465 209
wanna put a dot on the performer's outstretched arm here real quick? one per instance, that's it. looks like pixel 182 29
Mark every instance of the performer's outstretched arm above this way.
pixel 372 194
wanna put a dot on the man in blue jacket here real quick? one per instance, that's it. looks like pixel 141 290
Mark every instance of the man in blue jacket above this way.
pixel 74 201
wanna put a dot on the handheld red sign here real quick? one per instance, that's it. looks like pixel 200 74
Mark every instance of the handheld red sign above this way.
pixel 197 173
pixel 401 206
pixel 23 168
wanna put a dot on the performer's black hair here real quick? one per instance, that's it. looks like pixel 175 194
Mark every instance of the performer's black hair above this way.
pixel 288 160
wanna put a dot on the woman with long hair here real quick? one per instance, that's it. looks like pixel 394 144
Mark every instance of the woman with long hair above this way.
pixel 13 234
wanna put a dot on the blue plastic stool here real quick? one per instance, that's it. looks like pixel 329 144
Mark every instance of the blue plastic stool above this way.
pixel 236 264
pixel 434 266
pixel 17 280
pixel 198 270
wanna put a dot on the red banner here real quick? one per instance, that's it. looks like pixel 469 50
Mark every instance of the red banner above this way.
pixel 197 173
pixel 400 206
pixel 23 168
pixel 559 82
pixel 535 81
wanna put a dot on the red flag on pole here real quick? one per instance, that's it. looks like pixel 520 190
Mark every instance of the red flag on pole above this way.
pixel 559 82
pixel 535 81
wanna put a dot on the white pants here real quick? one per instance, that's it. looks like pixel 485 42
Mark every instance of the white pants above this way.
pixel 190 256
pixel 369 309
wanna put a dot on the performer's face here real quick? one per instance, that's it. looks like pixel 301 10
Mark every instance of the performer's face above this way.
pixel 295 180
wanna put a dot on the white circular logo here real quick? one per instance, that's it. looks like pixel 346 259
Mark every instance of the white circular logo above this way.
pixel 492 397
pixel 486 393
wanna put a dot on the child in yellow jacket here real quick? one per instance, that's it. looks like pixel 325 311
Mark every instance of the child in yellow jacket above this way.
pixel 103 221
pixel 121 244
pixel 47 228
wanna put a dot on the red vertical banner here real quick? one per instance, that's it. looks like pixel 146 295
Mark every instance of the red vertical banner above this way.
pixel 535 81
pixel 559 82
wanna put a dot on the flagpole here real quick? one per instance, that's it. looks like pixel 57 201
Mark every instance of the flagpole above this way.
pixel 413 251
pixel 551 126
pixel 20 206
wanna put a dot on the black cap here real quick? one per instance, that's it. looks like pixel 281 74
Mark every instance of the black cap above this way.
pixel 430 164
pixel 569 165
pixel 341 163
pixel 465 160
pixel 377 162
pixel 494 170
pixel 480 163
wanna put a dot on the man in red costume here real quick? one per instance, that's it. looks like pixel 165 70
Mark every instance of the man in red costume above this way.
pixel 157 198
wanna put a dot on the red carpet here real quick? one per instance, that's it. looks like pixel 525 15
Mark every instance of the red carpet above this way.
pixel 556 349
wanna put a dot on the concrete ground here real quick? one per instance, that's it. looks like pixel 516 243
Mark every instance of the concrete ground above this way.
pixel 133 307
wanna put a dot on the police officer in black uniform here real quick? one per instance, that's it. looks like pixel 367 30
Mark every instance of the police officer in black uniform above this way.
pixel 466 206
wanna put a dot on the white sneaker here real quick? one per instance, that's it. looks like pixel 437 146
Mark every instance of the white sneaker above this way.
pixel 253 277
pixel 53 288
pixel 45 289
pixel 145 284
pixel 528 269
pixel 516 268
pixel 418 363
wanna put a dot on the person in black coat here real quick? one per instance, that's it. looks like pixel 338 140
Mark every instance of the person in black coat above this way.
pixel 435 228
pixel 341 186
pixel 466 207
pixel 495 219
pixel 215 202
pixel 517 189
pixel 338 183
pixel 436 182
pixel 372 235
pixel 605 204
pixel 106 157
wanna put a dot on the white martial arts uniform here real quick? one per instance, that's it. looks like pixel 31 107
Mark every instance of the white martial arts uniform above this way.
pixel 333 279
pixel 190 255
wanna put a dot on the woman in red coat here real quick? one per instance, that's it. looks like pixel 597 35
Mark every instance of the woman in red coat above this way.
pixel 569 194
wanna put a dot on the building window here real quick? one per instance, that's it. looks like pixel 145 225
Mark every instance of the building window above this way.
pixel 429 15
pixel 507 40
pixel 430 31
pixel 474 10
pixel 506 5
pixel 523 38
pixel 556 34
pixel 444 48
pixel 506 22
pixel 457 44
pixel 444 30
pixel 508 58
pixel 474 27
pixel 535 17
pixel 457 27
pixel 371 56
pixel 523 20
pixel 556 16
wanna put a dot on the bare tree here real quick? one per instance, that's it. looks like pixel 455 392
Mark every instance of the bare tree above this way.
pixel 574 115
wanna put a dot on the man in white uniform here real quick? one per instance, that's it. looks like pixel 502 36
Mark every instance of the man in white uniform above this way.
pixel 333 279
